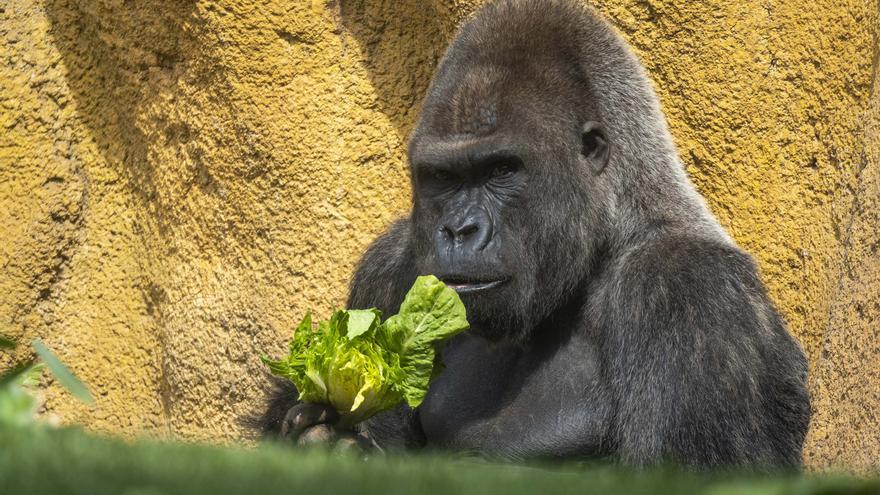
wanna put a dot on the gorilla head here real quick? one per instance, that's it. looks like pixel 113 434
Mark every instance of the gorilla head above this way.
pixel 516 161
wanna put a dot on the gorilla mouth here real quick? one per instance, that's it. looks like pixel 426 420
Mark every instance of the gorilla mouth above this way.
pixel 464 286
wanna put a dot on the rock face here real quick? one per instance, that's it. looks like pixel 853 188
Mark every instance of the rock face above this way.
pixel 180 181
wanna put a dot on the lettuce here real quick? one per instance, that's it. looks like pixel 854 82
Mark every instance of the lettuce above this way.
pixel 361 365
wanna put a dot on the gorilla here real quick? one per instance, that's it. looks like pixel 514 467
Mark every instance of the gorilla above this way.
pixel 612 318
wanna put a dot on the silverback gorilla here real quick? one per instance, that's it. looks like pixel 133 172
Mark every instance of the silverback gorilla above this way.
pixel 612 317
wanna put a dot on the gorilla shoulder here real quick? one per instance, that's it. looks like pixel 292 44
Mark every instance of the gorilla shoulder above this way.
pixel 698 347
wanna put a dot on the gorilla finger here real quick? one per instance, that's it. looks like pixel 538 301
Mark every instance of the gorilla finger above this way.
pixel 302 416
pixel 348 444
pixel 322 434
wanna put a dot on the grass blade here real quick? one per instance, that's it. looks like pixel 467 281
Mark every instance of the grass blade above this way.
pixel 64 376
pixel 18 370
pixel 6 343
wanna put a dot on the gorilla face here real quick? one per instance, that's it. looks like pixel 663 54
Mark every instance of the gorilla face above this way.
pixel 468 204
pixel 502 202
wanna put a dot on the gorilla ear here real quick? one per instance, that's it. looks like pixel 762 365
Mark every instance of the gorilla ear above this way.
pixel 594 146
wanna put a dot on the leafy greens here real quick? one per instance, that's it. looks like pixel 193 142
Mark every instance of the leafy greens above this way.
pixel 361 365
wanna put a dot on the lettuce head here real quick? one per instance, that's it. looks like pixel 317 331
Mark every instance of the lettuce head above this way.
pixel 361 365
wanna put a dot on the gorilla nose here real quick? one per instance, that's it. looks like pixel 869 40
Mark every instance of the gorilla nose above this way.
pixel 472 232
pixel 459 234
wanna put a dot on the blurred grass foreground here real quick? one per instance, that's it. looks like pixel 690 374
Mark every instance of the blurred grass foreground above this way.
pixel 38 459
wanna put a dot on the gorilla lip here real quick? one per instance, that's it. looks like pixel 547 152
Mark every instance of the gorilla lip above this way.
pixel 465 286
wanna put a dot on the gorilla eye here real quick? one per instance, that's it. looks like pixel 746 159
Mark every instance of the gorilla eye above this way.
pixel 437 178
pixel 503 170
pixel 441 175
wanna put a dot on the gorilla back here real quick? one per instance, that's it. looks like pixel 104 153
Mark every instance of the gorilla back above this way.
pixel 612 317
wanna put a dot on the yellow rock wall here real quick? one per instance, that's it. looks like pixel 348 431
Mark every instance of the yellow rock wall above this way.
pixel 181 180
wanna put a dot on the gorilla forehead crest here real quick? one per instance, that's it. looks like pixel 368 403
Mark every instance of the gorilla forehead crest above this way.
pixel 487 95
pixel 472 108
pixel 475 109
pixel 497 76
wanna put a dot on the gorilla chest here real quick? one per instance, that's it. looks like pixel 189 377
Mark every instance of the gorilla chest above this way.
pixel 500 400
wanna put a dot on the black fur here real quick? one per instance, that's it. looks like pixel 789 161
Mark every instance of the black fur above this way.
pixel 626 324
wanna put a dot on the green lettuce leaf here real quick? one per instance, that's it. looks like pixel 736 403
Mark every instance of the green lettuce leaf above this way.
pixel 362 366
pixel 430 314
pixel 362 321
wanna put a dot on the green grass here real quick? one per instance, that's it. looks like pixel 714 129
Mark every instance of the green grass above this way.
pixel 69 461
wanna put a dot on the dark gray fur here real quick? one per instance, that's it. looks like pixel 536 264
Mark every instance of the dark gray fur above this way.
pixel 633 328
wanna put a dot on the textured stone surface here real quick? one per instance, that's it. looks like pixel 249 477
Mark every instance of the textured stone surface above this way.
pixel 181 180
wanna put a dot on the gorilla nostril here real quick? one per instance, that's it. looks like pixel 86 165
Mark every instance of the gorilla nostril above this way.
pixel 467 230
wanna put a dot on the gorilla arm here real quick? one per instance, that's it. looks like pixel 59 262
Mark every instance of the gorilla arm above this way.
pixel 704 372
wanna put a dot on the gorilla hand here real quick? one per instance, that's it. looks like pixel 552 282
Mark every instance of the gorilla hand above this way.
pixel 316 424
